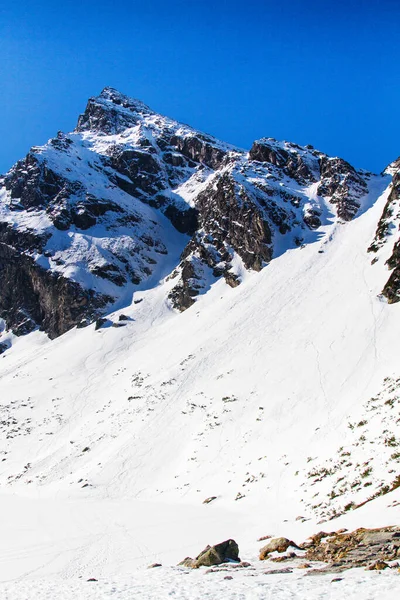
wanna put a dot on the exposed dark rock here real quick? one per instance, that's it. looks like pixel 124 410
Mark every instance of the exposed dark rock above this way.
pixel 103 113
pixel 143 169
pixel 383 227
pixel 231 279
pixel 230 216
pixel 100 322
pixel 174 159
pixel 200 149
pixel 342 185
pixel 30 296
pixel 214 555
pixel 210 499
pixel 292 163
pixel 394 261
pixel 183 294
pixel 229 220
pixel 3 347
pixel 33 184
pixel 83 219
pixel 110 272
pixel 386 223
pixel 392 287
pixel 312 219
pixel 185 221
pixel 23 241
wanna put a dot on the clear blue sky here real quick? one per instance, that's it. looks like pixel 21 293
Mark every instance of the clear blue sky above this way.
pixel 325 73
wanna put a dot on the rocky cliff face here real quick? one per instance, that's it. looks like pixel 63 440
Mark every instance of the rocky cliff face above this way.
pixel 387 236
pixel 130 197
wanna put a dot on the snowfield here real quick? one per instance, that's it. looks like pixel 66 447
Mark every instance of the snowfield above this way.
pixel 160 584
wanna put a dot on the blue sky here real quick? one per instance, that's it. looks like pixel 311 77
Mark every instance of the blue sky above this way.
pixel 325 73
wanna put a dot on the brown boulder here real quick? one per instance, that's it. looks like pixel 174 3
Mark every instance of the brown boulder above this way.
pixel 280 544
pixel 214 555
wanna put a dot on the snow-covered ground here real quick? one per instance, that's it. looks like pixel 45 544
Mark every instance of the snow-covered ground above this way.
pixel 112 439
pixel 162 584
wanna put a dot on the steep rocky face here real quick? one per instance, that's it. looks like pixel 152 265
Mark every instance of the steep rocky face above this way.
pixel 230 223
pixel 338 181
pixel 343 185
pixel 300 166
pixel 392 287
pixel 111 113
pixel 199 149
pixel 131 196
pixel 31 296
pixel 390 220
pixel 388 231
pixel 253 201
pixel 230 218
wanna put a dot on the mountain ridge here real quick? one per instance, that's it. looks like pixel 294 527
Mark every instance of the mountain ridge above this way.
pixel 88 214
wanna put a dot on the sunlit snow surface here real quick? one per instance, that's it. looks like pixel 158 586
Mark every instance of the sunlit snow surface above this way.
pixel 112 439
pixel 160 584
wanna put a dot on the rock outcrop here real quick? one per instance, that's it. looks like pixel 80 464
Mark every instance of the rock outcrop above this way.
pixel 387 231
pixel 31 296
pixel 227 551
pixel 280 544
pixel 295 164
pixel 373 549
pixel 360 548
pixel 343 185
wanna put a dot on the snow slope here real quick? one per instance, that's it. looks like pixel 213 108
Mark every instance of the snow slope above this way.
pixel 113 438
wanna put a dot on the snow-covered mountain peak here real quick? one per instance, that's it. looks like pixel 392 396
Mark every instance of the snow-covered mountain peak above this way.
pixel 131 197
pixel 111 112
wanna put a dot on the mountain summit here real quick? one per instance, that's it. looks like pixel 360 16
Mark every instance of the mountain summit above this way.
pixel 131 197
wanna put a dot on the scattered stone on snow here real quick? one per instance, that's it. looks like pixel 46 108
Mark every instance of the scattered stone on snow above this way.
pixel 264 537
pixel 210 499
pixel 278 571
pixel 290 556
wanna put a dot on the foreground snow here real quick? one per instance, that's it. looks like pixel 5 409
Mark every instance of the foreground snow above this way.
pixel 159 584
